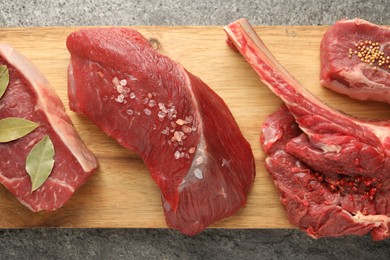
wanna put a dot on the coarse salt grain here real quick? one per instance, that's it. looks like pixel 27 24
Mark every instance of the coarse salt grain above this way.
pixel 186 129
pixel 129 112
pixel 199 160
pixel 147 112
pixel 115 81
pixel 191 150
pixel 119 98
pixel 189 119
pixel 123 82
pixel 119 88
pixel 177 155
pixel 161 114
pixel 177 136
pixel 165 131
pixel 181 122
pixel 161 106
pixel 198 173
pixel 152 103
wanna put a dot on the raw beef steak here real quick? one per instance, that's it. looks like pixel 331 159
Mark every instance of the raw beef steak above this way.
pixel 332 170
pixel 30 96
pixel 183 131
pixel 355 60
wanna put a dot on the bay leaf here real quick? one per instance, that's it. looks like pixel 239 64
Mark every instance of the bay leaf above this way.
pixel 40 162
pixel 4 79
pixel 12 128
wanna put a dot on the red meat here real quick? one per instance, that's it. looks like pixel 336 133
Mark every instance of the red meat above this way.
pixel 30 96
pixel 332 170
pixel 355 60
pixel 183 131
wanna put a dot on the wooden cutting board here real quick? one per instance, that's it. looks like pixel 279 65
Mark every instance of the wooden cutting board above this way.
pixel 121 193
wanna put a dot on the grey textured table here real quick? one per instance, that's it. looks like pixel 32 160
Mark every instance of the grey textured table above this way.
pixel 54 243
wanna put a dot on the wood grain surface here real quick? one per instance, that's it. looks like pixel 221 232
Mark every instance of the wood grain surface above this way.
pixel 122 193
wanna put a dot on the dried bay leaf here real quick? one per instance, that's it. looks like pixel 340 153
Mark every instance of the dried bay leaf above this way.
pixel 4 79
pixel 40 162
pixel 12 128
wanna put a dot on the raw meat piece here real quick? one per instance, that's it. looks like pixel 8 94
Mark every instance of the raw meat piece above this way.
pixel 183 131
pixel 355 60
pixel 29 95
pixel 332 171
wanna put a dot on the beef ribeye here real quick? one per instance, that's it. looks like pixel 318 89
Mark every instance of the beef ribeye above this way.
pixel 332 170
pixel 183 131
pixel 355 60
pixel 30 96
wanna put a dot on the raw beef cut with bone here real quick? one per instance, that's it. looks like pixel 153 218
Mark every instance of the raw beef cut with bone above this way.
pixel 332 170
pixel 30 96
pixel 355 60
pixel 183 131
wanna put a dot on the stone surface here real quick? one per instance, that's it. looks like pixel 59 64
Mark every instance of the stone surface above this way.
pixel 168 12
pixel 52 243
pixel 169 244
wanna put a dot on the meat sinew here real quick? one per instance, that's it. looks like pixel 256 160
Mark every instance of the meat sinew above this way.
pixel 355 60
pixel 332 170
pixel 183 131
pixel 30 96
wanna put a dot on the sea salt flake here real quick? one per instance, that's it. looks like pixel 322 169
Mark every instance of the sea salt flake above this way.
pixel 132 95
